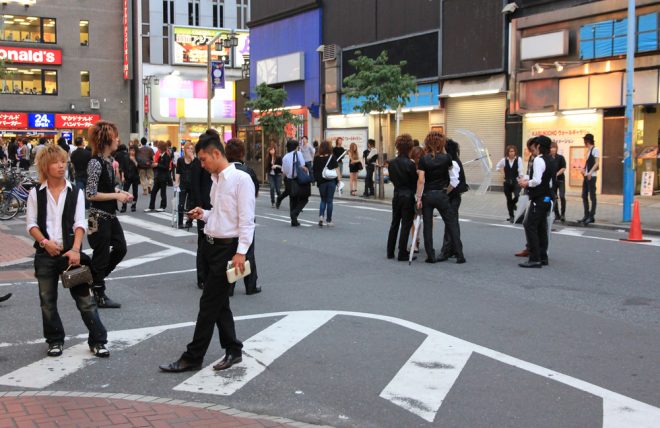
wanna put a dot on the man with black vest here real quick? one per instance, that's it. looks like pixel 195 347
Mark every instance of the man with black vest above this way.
pixel 403 174
pixel 513 169
pixel 589 183
pixel 540 193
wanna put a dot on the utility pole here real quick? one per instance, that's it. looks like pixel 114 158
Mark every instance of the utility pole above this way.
pixel 628 155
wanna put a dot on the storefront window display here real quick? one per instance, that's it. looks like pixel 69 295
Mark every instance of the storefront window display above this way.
pixel 28 29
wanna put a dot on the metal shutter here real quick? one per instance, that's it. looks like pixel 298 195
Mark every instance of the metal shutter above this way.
pixel 484 116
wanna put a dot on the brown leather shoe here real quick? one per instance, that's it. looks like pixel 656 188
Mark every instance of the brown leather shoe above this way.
pixel 228 361
pixel 523 253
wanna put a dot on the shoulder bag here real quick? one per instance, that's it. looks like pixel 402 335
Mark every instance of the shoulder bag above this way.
pixel 331 174
pixel 299 173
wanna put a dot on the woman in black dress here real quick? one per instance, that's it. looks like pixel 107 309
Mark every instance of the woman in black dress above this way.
pixel 161 177
pixel 129 169
pixel 183 182
pixel 274 165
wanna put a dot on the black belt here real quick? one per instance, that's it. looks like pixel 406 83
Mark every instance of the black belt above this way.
pixel 220 241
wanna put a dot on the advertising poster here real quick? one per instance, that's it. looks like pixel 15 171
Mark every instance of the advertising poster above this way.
pixel 189 46
pixel 358 136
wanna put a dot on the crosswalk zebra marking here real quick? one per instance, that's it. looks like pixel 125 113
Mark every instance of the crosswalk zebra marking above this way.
pixel 259 351
pixel 281 220
pixel 155 227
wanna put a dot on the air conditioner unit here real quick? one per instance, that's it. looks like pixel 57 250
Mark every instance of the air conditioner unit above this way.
pixel 94 104
pixel 330 52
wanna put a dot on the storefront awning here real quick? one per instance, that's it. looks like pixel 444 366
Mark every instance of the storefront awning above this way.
pixel 472 87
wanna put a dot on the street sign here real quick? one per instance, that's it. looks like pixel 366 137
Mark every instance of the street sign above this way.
pixel 218 74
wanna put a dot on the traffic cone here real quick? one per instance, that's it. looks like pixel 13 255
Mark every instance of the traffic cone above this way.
pixel 635 233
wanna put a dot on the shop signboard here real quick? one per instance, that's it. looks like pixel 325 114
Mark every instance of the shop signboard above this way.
pixel 75 121
pixel 125 39
pixel 20 55
pixel 68 136
pixel 41 120
pixel 646 187
pixel 218 74
pixel 189 46
pixel 13 120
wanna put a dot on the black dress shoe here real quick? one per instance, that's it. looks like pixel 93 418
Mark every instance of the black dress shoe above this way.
pixel 430 260
pixel 228 361
pixel 544 262
pixel 103 301
pixel 390 256
pixel 589 221
pixel 123 209
pixel 530 265
pixel 460 260
pixel 295 223
pixel 443 258
pixel 255 290
pixel 179 366
pixel 200 285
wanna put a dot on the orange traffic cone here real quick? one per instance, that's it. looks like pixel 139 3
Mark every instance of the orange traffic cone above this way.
pixel 635 233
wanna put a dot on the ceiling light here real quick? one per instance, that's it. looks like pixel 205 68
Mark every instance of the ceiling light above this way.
pixel 538 68
pixel 558 66
pixel 540 114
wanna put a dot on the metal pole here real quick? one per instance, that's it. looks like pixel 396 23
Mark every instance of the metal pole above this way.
pixel 628 172
pixel 209 84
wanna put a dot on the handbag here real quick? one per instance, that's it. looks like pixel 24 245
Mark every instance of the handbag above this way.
pixel 76 276
pixel 299 174
pixel 329 174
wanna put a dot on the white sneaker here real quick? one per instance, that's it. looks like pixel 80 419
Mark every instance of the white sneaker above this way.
pixel 148 210
pixel 321 221
pixel 329 224
pixel 160 210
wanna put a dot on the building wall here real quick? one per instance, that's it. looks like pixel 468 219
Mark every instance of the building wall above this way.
pixel 103 58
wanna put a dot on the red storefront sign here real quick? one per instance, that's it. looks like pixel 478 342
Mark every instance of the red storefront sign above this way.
pixel 146 104
pixel 75 121
pixel 13 120
pixel 125 39
pixel 17 55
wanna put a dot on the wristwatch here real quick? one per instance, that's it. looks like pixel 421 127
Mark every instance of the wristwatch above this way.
pixel 42 243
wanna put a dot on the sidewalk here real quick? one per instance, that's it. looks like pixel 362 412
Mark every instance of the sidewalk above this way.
pixel 15 250
pixel 492 205
pixel 46 409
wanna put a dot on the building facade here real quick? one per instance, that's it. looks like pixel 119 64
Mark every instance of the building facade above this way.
pixel 66 65
pixel 171 58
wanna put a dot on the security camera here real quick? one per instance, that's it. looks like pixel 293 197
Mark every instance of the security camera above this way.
pixel 510 8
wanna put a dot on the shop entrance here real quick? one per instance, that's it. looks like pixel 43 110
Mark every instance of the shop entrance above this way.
pixel 612 157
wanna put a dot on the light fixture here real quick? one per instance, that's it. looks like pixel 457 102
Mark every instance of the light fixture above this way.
pixel 582 111
pixel 540 114
pixel 558 66
pixel 510 8
pixel 474 93
pixel 537 68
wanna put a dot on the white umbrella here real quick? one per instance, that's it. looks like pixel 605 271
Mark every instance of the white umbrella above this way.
pixel 417 223
pixel 175 208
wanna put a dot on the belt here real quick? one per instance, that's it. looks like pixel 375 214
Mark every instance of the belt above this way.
pixel 220 241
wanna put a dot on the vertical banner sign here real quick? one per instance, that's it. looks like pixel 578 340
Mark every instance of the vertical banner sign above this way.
pixel 218 74
pixel 146 104
pixel 125 39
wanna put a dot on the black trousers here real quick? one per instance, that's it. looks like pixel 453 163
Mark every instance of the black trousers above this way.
pixel 369 181
pixel 202 269
pixel 104 259
pixel 536 230
pixel 286 193
pixel 439 199
pixel 185 201
pixel 214 305
pixel 160 184
pixel 511 192
pixel 403 214
pixel 560 196
pixel 297 202
pixel 447 243
pixel 127 185
pixel 251 280
pixel 589 192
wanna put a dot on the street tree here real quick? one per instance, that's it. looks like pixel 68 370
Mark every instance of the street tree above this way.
pixel 378 86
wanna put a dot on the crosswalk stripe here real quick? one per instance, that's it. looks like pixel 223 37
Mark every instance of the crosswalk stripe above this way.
pixel 162 215
pixel 149 258
pixel 155 227
pixel 289 218
pixel 424 381
pixel 568 231
pixel 281 220
pixel 259 352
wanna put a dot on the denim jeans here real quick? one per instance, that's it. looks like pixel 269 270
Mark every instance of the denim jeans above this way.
pixel 47 271
pixel 275 182
pixel 327 191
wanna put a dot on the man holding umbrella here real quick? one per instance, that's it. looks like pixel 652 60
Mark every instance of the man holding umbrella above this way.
pixel 403 174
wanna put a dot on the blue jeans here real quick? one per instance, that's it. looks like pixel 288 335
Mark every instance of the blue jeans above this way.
pixel 275 182
pixel 47 271
pixel 327 191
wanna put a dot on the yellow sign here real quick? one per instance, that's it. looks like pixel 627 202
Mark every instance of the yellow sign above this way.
pixel 189 46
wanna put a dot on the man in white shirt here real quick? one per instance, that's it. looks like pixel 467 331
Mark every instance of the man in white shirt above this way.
pixel 307 151
pixel 298 200
pixel 589 172
pixel 229 229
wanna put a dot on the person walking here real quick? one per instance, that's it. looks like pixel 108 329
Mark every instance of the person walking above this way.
pixel 80 159
pixel 56 221
pixel 513 169
pixel 308 152
pixel 539 187
pixel 298 193
pixel 559 183
pixel 131 174
pixel 338 152
pixel 145 160
pixel 105 234
pixel 228 235
pixel 162 161
pixel 201 191
pixel 590 171
pixel 370 156
pixel 403 174
pixel 354 167
pixel 274 165
pixel 437 178
pixel 453 149
pixel 235 150
pixel 183 183
pixel 326 175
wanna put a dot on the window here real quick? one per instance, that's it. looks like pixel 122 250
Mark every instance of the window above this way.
pixel 84 83
pixel 218 13
pixel 242 9
pixel 84 33
pixel 29 81
pixel 193 12
pixel 28 29
pixel 168 12
pixel 609 38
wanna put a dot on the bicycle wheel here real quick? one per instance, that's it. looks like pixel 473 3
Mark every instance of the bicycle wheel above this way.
pixel 9 206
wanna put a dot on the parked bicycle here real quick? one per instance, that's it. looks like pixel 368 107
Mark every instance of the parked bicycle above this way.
pixel 15 191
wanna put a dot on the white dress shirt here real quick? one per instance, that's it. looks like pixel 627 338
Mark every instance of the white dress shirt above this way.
pixel 500 165
pixel 233 201
pixel 539 169
pixel 454 174
pixel 287 163
pixel 54 212
pixel 596 154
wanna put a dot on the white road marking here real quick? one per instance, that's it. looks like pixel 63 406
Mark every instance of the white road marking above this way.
pixel 427 377
pixel 112 278
pixel 568 231
pixel 162 215
pixel 368 208
pixel 289 219
pixel 150 258
pixel 16 262
pixel 280 220
pixel 155 227
pixel 259 351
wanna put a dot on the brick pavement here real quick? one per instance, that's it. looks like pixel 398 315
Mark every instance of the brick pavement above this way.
pixel 13 248
pixel 55 409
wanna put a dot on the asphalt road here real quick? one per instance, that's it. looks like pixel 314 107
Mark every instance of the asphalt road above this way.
pixel 344 337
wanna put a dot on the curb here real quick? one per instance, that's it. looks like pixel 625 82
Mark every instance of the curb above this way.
pixel 159 400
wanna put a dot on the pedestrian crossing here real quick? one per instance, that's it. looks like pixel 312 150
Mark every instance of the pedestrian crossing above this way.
pixel 419 386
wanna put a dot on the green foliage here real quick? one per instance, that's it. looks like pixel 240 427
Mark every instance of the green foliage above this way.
pixel 272 118
pixel 381 85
